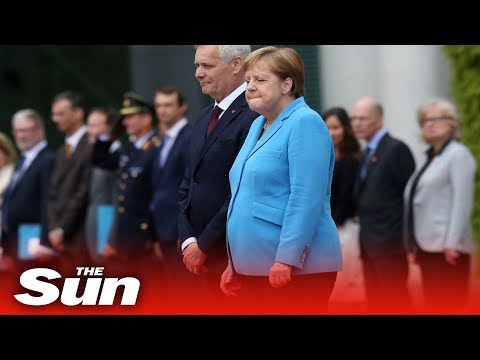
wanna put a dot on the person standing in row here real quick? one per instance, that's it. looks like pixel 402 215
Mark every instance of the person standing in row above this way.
pixel 217 136
pixel 69 184
pixel 283 246
pixel 349 287
pixel 29 184
pixel 385 169
pixel 104 182
pixel 8 158
pixel 130 244
pixel 438 210
pixel 168 170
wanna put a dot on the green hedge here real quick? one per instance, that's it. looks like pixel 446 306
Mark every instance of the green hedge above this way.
pixel 464 64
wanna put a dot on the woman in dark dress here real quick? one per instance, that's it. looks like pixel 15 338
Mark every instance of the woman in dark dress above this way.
pixel 349 285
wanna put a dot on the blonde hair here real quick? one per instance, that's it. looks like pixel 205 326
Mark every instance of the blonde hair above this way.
pixel 283 62
pixel 6 145
pixel 447 109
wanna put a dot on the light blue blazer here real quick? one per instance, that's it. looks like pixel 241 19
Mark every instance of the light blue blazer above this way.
pixel 280 204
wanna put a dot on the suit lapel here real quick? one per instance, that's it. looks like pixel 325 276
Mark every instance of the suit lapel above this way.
pixel 67 164
pixel 277 124
pixel 175 147
pixel 235 109
pixel 160 171
pixel 30 168
pixel 374 160
pixel 251 146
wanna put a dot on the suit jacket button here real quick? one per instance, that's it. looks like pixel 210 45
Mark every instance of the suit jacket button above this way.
pixel 144 226
pixel 121 197
pixel 122 186
pixel 124 175
pixel 121 210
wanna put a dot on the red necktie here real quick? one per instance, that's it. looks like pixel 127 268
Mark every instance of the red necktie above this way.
pixel 213 121
pixel 68 150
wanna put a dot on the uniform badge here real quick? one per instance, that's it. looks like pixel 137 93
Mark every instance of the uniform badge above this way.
pixel 123 160
pixel 134 171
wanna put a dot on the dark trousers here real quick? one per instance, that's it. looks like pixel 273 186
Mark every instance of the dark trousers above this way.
pixel 445 286
pixel 304 294
pixel 386 283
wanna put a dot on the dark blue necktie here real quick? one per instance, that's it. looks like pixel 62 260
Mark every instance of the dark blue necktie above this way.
pixel 163 152
pixel 8 193
pixel 365 163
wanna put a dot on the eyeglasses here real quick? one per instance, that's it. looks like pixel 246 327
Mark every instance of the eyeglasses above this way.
pixel 434 120
pixel 24 130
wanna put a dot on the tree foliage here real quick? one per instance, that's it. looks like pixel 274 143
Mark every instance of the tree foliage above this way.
pixel 464 62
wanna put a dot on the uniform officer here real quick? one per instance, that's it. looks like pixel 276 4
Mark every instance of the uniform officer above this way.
pixel 131 235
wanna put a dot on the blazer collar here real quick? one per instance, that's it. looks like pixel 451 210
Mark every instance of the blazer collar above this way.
pixel 277 124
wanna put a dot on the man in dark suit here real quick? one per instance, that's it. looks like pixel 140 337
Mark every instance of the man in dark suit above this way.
pixel 386 167
pixel 69 183
pixel 168 170
pixel 26 197
pixel 129 247
pixel 218 134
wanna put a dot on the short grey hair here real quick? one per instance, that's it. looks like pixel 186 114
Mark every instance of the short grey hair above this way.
pixel 30 114
pixel 447 109
pixel 229 52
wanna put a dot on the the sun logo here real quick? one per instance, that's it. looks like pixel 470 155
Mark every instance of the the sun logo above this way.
pixel 97 290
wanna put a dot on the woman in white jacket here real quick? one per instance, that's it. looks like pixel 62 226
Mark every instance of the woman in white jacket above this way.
pixel 438 208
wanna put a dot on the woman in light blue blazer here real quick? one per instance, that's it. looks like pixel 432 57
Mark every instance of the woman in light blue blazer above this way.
pixel 282 242
pixel 438 208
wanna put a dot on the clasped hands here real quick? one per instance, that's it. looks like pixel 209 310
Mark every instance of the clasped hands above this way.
pixel 194 259
pixel 280 274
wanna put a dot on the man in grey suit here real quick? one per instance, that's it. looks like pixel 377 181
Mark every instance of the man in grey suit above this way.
pixel 384 172
pixel 69 184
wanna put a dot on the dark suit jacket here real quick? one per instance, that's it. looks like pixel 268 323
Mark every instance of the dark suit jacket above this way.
pixel 28 201
pixel 380 198
pixel 166 184
pixel 132 227
pixel 205 189
pixel 68 193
